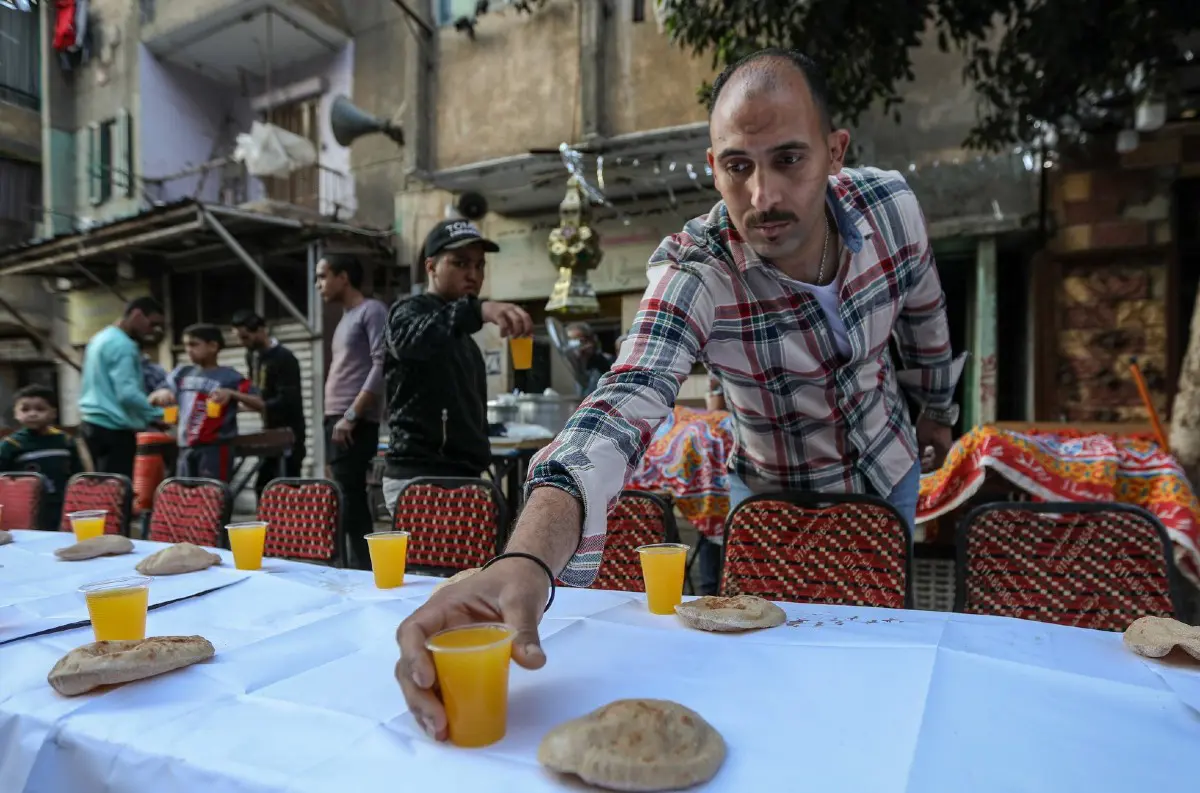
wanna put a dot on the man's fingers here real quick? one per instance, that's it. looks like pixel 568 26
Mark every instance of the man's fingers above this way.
pixel 426 708
pixel 411 636
pixel 521 611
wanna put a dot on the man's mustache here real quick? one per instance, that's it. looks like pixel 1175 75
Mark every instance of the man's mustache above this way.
pixel 763 218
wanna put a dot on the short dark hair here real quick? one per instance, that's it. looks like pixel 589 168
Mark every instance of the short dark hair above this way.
pixel 146 305
pixel 248 320
pixel 36 391
pixel 206 332
pixel 813 74
pixel 346 263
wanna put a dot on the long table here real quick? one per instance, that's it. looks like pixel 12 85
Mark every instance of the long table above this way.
pixel 301 697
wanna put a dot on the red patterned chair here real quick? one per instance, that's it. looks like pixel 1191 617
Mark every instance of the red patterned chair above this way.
pixel 304 520
pixel 1091 565
pixel 850 550
pixel 637 518
pixel 190 510
pixel 111 492
pixel 21 497
pixel 454 523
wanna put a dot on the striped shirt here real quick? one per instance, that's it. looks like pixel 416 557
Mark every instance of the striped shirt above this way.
pixel 806 417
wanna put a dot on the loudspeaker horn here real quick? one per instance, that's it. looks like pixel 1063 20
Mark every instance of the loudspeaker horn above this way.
pixel 471 205
pixel 350 123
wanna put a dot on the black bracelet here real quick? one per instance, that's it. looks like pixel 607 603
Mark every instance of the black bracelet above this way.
pixel 532 558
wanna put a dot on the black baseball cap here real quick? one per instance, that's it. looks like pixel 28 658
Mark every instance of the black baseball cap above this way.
pixel 455 233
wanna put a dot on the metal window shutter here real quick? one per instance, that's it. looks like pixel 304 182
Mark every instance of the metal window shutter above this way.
pixel 123 175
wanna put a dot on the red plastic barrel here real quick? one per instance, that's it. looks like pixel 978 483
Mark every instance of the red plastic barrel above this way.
pixel 155 450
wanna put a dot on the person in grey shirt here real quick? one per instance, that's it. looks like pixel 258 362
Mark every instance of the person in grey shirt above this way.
pixel 353 394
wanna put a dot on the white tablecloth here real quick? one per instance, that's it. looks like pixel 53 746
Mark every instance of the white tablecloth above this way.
pixel 301 697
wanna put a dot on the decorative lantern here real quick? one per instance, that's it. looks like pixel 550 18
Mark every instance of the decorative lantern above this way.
pixel 574 248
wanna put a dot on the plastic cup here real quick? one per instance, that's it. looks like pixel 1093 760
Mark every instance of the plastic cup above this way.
pixel 117 608
pixel 663 568
pixel 389 552
pixel 212 409
pixel 246 540
pixel 472 671
pixel 521 349
pixel 171 414
pixel 88 523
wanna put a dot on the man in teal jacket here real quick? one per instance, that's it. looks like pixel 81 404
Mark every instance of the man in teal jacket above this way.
pixel 113 406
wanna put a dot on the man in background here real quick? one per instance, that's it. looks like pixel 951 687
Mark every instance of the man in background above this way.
pixel 113 403
pixel 436 378
pixel 275 372
pixel 353 392
pixel 594 361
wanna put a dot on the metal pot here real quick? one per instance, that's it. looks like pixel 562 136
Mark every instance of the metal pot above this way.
pixel 502 412
pixel 551 412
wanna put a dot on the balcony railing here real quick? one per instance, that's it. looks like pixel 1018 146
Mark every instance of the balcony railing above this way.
pixel 320 189
pixel 20 58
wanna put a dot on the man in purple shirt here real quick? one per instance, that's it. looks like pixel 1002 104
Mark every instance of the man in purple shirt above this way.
pixel 353 393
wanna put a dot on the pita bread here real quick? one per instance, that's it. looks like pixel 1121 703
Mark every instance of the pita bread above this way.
pixel 636 745
pixel 111 663
pixel 104 545
pixel 180 558
pixel 454 579
pixel 740 613
pixel 5 537
pixel 1155 637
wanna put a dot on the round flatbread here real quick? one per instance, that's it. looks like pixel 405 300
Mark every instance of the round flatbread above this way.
pixel 724 615
pixel 1155 637
pixel 454 579
pixel 636 745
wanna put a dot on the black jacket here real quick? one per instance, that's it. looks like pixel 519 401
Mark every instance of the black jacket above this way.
pixel 436 386
pixel 276 373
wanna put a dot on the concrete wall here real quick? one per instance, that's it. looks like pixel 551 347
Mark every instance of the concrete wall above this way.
pixel 648 82
pixel 512 89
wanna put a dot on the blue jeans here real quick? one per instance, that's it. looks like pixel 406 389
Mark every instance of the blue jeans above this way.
pixel 709 554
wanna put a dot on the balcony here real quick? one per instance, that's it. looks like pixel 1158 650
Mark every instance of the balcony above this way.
pixel 315 192
pixel 228 41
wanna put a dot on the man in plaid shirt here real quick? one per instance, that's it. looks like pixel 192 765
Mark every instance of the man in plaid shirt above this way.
pixel 789 291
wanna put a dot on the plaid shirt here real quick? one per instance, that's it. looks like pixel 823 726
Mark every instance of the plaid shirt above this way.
pixel 804 417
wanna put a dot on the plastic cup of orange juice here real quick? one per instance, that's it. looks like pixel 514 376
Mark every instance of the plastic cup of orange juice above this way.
pixel 521 348
pixel 171 414
pixel 246 540
pixel 472 671
pixel 117 608
pixel 389 553
pixel 663 568
pixel 212 409
pixel 88 523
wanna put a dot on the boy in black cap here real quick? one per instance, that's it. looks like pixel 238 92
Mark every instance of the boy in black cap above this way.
pixel 436 381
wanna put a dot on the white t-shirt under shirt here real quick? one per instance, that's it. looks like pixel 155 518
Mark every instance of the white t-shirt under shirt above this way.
pixel 827 296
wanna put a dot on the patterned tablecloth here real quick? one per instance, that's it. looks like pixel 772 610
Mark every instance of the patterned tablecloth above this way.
pixel 1070 467
pixel 686 460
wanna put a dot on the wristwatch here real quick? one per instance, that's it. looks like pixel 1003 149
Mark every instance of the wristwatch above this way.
pixel 350 416
pixel 947 416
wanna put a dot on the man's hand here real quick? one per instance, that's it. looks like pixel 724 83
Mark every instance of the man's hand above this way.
pixel 221 396
pixel 512 591
pixel 343 432
pixel 162 397
pixel 512 320
pixel 936 436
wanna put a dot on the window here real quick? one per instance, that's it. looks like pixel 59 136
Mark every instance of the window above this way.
pixel 20 58
pixel 639 10
pixel 110 162
pixel 292 279
pixel 104 161
pixel 450 10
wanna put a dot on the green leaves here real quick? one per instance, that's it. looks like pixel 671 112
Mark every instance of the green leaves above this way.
pixel 1061 63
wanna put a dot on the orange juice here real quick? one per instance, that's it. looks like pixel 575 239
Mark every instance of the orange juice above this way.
pixel 663 569
pixel 522 352
pixel 118 608
pixel 88 523
pixel 212 409
pixel 472 671
pixel 389 552
pixel 171 414
pixel 246 540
